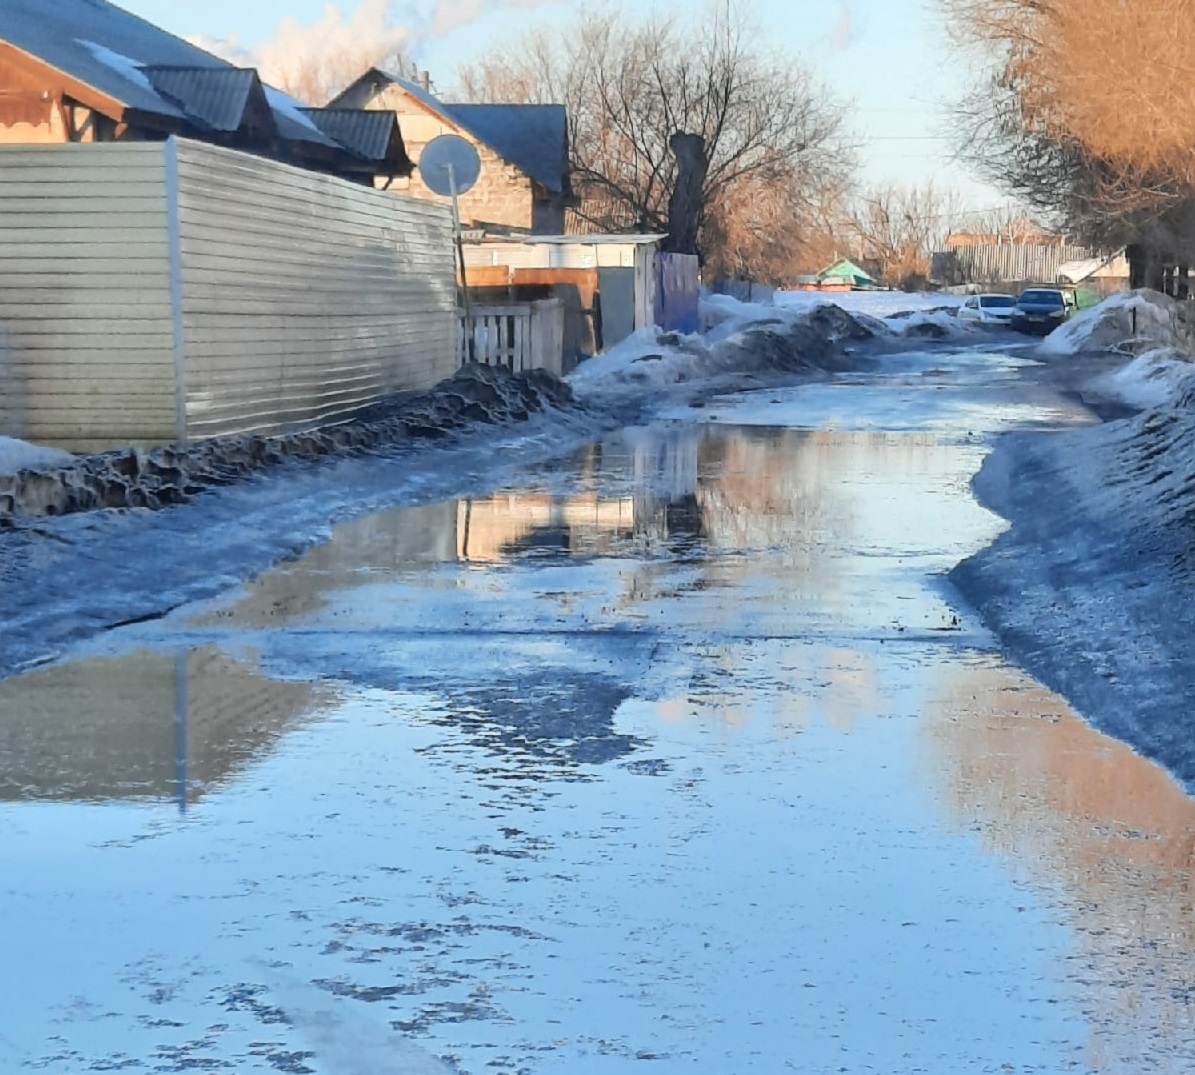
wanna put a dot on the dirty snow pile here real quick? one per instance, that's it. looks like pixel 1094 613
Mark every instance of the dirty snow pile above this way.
pixel 59 483
pixel 801 333
pixel 1159 320
pixel 741 341
pixel 1150 380
pixel 1093 586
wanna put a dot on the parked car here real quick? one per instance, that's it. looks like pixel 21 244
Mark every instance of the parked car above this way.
pixel 987 309
pixel 1042 309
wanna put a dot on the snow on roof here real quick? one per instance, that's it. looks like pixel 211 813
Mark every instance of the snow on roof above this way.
pixel 122 65
pixel 1076 271
pixel 115 53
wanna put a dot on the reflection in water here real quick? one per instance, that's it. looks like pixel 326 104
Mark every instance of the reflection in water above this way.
pixel 390 542
pixel 149 725
pixel 1108 829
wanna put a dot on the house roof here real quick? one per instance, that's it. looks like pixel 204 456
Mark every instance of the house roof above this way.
pixel 146 70
pixel 214 96
pixel 613 239
pixel 532 137
pixel 845 269
pixel 367 133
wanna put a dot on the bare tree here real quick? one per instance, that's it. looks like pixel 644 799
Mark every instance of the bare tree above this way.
pixel 898 228
pixel 1086 112
pixel 630 87
pixel 772 231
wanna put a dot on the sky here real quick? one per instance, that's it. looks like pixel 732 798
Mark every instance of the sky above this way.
pixel 890 57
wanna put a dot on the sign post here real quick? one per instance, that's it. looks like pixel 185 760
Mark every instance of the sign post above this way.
pixel 450 166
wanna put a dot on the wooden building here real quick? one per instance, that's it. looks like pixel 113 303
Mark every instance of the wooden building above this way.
pixel 89 71
pixel 524 183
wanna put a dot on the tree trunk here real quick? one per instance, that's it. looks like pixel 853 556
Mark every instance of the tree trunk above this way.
pixel 684 206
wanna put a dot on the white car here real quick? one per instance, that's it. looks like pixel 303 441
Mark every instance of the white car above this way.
pixel 988 309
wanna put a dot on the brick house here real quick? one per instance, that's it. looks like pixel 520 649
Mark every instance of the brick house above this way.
pixel 524 183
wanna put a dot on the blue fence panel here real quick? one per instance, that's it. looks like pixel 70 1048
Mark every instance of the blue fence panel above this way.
pixel 677 289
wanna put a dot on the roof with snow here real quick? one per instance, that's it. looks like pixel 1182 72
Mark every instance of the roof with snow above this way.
pixel 1080 269
pixel 135 72
pixel 532 137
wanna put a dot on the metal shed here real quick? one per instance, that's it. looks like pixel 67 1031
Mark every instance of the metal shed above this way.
pixel 167 292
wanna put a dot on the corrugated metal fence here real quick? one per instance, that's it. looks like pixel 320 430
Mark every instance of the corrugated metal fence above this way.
pixel 152 293
pixel 1003 263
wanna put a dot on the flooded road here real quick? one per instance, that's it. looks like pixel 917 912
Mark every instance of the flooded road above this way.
pixel 681 755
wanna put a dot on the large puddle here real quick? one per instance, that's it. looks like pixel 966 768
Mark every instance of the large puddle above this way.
pixel 682 757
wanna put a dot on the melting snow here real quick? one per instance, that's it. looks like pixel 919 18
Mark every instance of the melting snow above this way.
pixel 17 455
pixel 122 65
pixel 1111 325
pixel 1151 380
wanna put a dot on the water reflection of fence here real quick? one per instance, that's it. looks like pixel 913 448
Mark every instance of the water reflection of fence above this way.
pixel 144 726
pixel 520 335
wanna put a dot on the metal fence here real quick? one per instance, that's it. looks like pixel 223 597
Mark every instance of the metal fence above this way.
pixel 1003 263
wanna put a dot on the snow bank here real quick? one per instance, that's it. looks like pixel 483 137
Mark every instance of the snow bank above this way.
pixel 741 340
pixel 880 304
pixel 476 396
pixel 18 455
pixel 1091 588
pixel 1151 380
pixel 940 323
pixel 1110 325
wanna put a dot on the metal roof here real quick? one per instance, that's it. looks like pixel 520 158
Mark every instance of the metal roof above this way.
pixel 217 97
pixel 532 137
pixel 631 239
pixel 143 67
pixel 367 133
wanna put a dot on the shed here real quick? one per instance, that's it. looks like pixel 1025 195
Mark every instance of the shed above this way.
pixel 625 268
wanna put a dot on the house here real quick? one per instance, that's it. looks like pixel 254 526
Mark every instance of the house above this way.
pixel 89 71
pixel 1103 274
pixel 843 275
pixel 524 182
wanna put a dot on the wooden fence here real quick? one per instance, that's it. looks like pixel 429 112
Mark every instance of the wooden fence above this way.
pixel 520 335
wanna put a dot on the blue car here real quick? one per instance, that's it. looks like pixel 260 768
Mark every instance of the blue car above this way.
pixel 1042 309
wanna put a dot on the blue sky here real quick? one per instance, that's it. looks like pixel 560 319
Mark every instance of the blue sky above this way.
pixel 890 56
